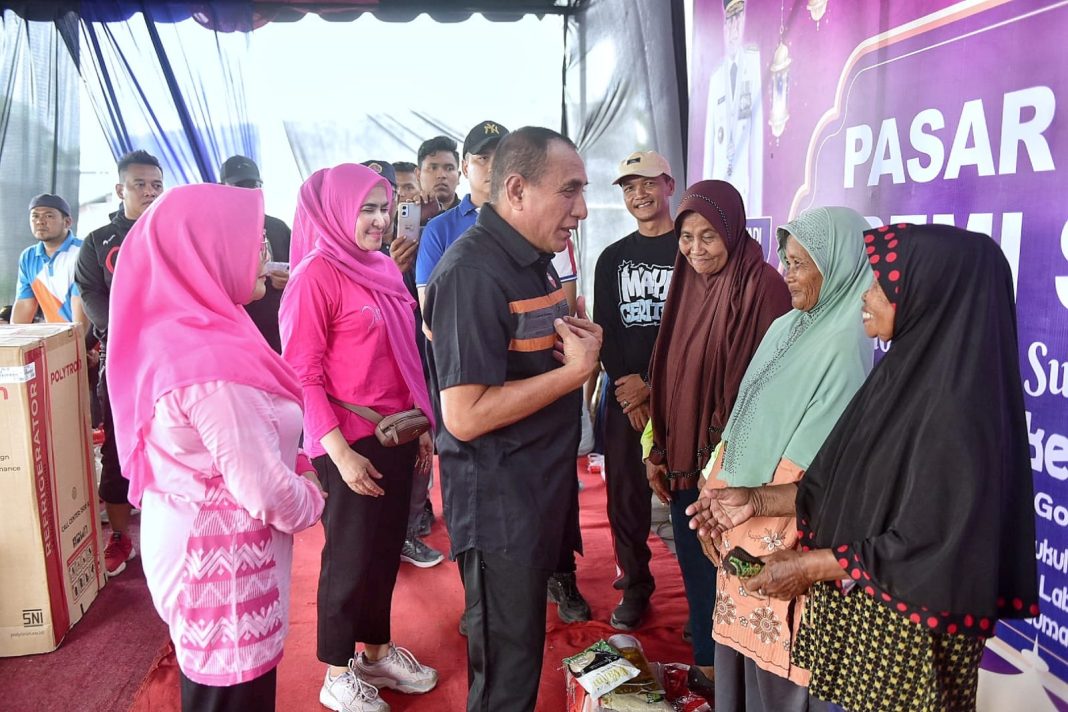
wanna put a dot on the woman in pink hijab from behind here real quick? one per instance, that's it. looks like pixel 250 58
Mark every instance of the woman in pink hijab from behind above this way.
pixel 207 422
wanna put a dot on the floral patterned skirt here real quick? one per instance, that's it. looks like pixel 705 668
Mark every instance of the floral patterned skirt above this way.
pixel 866 658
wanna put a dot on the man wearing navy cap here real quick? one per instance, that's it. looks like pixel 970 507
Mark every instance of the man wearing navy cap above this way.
pixel 243 172
pixel 385 169
pixel 46 270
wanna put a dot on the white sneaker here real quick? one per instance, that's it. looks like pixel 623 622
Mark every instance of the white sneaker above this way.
pixel 399 671
pixel 348 693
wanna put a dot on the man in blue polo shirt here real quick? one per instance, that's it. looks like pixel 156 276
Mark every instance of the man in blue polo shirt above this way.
pixel 46 270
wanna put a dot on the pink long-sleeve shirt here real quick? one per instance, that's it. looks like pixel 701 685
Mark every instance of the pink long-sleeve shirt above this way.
pixel 217 524
pixel 334 337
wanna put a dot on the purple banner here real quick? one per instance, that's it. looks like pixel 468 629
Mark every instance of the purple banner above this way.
pixel 920 112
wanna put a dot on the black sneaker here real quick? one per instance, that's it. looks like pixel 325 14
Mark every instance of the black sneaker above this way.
pixel 426 519
pixel 628 614
pixel 417 553
pixel 570 605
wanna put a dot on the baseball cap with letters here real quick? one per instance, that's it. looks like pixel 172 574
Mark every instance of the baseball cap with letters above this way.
pixel 649 164
pixel 483 135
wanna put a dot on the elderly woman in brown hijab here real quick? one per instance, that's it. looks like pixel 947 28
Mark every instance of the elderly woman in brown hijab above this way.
pixel 722 299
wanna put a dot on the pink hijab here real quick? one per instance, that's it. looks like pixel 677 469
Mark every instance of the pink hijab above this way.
pixel 187 266
pixel 325 226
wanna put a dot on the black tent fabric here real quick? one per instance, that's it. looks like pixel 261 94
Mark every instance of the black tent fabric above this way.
pixel 625 91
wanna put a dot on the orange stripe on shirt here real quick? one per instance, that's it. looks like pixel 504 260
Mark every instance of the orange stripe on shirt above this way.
pixel 522 306
pixel 49 303
pixel 539 343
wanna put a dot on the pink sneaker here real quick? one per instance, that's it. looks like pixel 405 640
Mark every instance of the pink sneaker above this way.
pixel 119 550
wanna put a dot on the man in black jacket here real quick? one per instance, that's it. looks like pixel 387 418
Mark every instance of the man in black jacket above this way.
pixel 140 183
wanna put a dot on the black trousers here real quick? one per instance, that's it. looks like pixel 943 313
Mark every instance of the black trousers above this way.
pixel 505 610
pixel 253 696
pixel 361 554
pixel 114 488
pixel 629 500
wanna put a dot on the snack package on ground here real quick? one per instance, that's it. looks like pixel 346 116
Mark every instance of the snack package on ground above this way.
pixel 600 668
pixel 643 693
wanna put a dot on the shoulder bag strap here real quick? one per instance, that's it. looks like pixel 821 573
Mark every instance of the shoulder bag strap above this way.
pixel 365 413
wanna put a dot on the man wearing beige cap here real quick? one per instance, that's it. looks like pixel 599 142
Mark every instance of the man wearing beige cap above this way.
pixel 630 286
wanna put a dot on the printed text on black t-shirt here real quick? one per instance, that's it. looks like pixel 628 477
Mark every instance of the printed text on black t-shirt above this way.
pixel 642 291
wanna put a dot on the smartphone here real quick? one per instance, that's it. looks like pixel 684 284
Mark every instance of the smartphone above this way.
pixel 277 266
pixel 408 221
pixel 742 564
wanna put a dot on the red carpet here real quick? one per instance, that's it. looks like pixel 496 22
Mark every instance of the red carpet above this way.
pixel 102 661
pixel 426 609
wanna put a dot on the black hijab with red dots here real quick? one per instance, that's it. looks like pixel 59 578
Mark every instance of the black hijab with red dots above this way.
pixel 923 489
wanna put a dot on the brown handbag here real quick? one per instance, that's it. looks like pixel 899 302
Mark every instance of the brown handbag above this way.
pixel 391 430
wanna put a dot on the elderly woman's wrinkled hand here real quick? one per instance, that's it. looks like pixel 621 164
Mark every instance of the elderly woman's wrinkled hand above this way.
pixel 718 510
pixel 713 547
pixel 658 481
pixel 784 576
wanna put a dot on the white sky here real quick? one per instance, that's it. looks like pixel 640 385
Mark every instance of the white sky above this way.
pixel 320 71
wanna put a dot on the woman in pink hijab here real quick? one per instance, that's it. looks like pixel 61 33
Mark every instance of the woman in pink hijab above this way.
pixel 348 330
pixel 207 422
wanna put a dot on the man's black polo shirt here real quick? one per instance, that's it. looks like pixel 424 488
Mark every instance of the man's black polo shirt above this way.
pixel 491 302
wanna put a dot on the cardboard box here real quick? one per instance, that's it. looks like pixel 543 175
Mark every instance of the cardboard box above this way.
pixel 51 544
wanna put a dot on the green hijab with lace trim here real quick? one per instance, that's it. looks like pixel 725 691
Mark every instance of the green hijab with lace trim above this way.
pixel 810 363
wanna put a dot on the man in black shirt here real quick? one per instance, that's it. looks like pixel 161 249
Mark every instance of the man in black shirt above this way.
pixel 510 399
pixel 630 286
pixel 243 172
pixel 140 183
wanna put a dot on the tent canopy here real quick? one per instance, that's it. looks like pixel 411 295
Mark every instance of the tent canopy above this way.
pixel 249 14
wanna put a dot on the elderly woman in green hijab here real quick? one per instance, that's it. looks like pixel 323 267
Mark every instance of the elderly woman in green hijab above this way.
pixel 804 373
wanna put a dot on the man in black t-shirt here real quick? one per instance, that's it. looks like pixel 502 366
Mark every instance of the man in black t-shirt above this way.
pixel 509 425
pixel 243 172
pixel 630 287
pixel 140 183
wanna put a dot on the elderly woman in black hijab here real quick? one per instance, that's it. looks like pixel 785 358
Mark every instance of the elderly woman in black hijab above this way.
pixel 916 514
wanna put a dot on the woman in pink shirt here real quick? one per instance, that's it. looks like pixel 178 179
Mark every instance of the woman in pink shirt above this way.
pixel 348 330
pixel 207 421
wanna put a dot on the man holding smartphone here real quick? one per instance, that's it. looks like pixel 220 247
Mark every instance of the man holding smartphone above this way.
pixel 414 551
pixel 243 172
